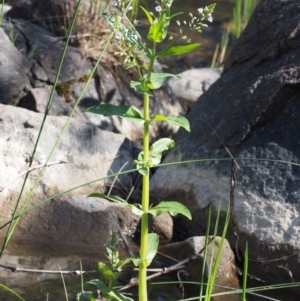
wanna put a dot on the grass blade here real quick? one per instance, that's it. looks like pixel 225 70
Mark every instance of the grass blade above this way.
pixel 245 272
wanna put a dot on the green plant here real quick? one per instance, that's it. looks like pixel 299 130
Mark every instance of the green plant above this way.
pixel 2 286
pixel 1 11
pixel 242 11
pixel 110 272
pixel 220 51
pixel 245 271
pixel 34 50
pixel 131 45
pixel 11 33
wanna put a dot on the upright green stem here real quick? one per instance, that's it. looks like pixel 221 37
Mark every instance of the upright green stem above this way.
pixel 145 195
pixel 145 207
pixel 1 11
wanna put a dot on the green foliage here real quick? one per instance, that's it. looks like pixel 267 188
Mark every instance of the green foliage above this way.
pixel 4 287
pixel 113 198
pixel 245 274
pixel 144 85
pixel 1 11
pixel 109 293
pixel 128 112
pixel 153 242
pixel 174 208
pixel 131 45
pixel 111 272
pixel 178 50
pixel 242 11
pixel 155 155
pixel 174 120
pixel 214 265
pixel 12 34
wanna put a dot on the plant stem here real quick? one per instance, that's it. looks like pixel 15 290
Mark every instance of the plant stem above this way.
pixel 145 194
pixel 145 207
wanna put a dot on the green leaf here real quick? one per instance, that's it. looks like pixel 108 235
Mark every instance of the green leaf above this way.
pixel 157 32
pixel 140 86
pixel 178 50
pixel 157 79
pixel 136 261
pixel 106 109
pixel 161 145
pixel 109 292
pixel 106 271
pixel 147 13
pixel 143 166
pixel 112 198
pixel 133 39
pixel 179 121
pixel 111 20
pixel 142 170
pixel 174 208
pixel 135 210
pixel 174 120
pixel 210 8
pixel 157 148
pixel 153 242
pixel 159 118
pixel 116 199
pixel 155 155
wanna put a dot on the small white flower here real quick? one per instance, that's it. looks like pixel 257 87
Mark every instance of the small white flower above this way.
pixel 115 3
pixel 118 35
pixel 210 18
pixel 200 10
pixel 158 8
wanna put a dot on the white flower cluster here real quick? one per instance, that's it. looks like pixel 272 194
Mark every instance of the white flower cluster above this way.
pixel 115 3
pixel 207 15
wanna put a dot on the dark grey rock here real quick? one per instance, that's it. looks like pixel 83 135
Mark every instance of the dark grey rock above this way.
pixel 251 112
pixel 14 75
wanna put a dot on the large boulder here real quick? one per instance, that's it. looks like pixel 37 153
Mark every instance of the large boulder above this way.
pixel 69 227
pixel 63 233
pixel 89 155
pixel 250 113
pixel 192 84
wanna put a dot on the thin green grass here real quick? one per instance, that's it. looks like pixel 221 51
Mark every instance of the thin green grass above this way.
pixel 242 11
pixel 11 292
pixel 214 265
pixel 1 11
pixel 245 272
pixel 202 282
pixel 134 170
pixel 233 291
